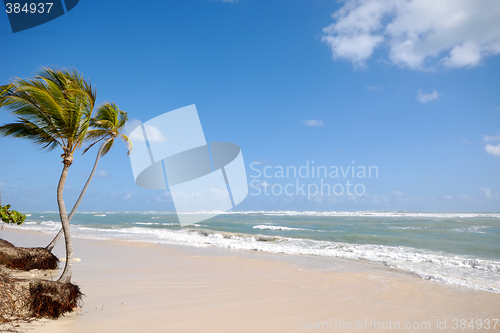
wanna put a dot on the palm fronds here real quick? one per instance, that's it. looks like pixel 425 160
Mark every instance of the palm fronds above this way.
pixel 53 109
pixel 108 124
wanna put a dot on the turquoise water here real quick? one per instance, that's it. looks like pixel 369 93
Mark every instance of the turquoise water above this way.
pixel 454 248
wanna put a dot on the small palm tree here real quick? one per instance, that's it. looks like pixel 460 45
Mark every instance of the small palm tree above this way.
pixel 54 109
pixel 107 126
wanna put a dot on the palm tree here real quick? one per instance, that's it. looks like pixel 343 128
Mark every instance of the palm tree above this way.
pixel 107 125
pixel 53 109
pixel 3 89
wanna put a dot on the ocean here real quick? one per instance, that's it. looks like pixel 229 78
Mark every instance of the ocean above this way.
pixel 460 249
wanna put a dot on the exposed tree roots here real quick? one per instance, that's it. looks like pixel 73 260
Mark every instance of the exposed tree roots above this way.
pixel 26 258
pixel 23 300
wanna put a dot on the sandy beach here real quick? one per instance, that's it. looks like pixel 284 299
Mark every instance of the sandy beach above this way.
pixel 240 166
pixel 132 287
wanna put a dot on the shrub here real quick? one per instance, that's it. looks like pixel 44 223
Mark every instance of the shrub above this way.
pixel 11 216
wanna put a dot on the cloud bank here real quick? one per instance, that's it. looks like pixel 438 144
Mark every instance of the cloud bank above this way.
pixel 417 34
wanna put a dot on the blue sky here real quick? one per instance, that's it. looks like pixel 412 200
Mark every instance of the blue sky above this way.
pixel 409 88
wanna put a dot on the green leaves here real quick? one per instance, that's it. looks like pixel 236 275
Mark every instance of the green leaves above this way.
pixel 53 109
pixel 11 216
pixel 108 124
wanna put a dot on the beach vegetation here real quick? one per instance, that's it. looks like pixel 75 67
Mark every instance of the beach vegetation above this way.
pixel 10 216
pixel 107 125
pixel 53 109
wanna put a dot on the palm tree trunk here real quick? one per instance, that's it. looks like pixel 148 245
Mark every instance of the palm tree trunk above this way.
pixel 68 267
pixel 73 211
pixel 54 241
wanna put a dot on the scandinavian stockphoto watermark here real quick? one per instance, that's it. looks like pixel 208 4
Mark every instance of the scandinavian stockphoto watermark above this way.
pixel 371 324
pixel 310 180
pixel 364 324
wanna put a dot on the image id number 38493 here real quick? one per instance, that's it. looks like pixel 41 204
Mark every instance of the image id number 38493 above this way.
pixel 28 8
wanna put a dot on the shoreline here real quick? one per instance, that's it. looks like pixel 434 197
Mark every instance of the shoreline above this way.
pixel 132 286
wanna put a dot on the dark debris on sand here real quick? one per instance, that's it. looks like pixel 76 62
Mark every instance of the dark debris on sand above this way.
pixel 26 258
pixel 23 300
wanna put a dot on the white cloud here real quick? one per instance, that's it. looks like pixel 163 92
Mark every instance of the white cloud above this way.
pixel 493 150
pixel 487 192
pixel 465 142
pixel 154 134
pixel 467 54
pixel 314 123
pixel 102 174
pixel 136 134
pixel 131 125
pixel 124 195
pixel 373 88
pixel 497 109
pixel 263 184
pixel 357 48
pixel 425 98
pixel 492 137
pixel 397 193
pixel 454 33
pixel 164 196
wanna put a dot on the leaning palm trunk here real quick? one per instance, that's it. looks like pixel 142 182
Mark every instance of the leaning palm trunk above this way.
pixel 73 211
pixel 68 267
pixel 54 109
pixel 54 241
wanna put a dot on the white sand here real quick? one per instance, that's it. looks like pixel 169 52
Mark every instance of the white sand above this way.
pixel 140 287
